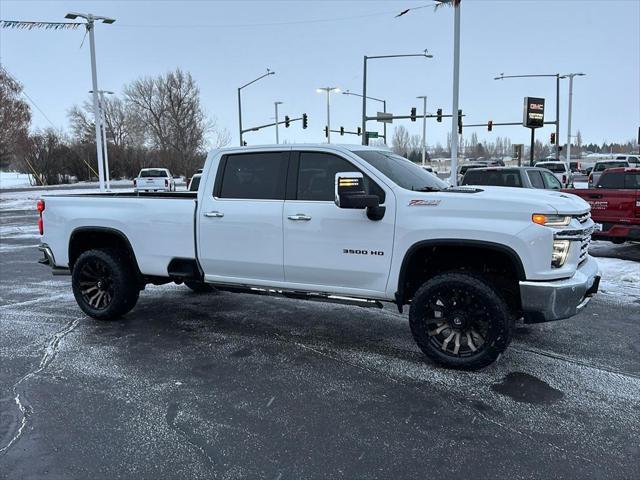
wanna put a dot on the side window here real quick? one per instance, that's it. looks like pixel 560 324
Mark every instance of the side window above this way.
pixel 612 180
pixel 632 181
pixel 535 178
pixel 259 176
pixel 551 181
pixel 317 173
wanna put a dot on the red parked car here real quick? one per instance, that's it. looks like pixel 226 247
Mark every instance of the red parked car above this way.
pixel 615 204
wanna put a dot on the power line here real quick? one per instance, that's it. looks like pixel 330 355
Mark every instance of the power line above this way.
pixel 242 25
pixel 24 92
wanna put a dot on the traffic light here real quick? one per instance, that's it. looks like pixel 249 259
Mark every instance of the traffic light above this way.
pixel 304 120
pixel 244 143
pixel 359 131
pixel 439 115
pixel 326 132
pixel 490 125
pixel 287 121
pixel 413 114
pixel 341 130
pixel 553 138
pixel 460 122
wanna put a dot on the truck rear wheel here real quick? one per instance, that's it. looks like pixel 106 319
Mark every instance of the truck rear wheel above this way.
pixel 460 321
pixel 104 283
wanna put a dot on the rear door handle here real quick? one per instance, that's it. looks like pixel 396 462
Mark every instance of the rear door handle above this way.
pixel 299 216
pixel 214 214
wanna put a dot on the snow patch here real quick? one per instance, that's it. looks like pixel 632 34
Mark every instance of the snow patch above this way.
pixel 620 279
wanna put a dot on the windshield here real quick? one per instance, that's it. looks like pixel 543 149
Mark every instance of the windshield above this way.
pixel 153 173
pixel 554 167
pixel 401 171
pixel 601 167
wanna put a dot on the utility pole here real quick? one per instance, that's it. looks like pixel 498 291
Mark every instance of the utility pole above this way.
pixel 90 25
pixel 277 137
pixel 424 128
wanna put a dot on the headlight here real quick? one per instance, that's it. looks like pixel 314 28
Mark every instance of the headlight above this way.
pixel 551 220
pixel 560 251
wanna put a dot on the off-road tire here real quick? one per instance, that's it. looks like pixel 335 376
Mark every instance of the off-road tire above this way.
pixel 109 271
pixel 472 301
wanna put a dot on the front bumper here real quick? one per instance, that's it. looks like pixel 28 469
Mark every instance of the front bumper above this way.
pixel 545 301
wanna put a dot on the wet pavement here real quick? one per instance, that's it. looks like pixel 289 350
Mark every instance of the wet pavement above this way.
pixel 242 386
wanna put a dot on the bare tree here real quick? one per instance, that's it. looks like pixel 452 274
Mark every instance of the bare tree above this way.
pixel 400 141
pixel 15 117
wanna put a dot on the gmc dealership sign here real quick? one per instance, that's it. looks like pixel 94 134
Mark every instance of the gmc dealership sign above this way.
pixel 533 112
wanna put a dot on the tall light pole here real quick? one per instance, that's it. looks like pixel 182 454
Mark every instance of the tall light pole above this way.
pixel 103 124
pixel 384 109
pixel 269 72
pixel 328 91
pixel 365 139
pixel 456 90
pixel 91 19
pixel 557 122
pixel 277 137
pixel 424 128
pixel 570 77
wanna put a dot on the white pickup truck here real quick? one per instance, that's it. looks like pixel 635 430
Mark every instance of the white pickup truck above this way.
pixel 330 222
pixel 154 180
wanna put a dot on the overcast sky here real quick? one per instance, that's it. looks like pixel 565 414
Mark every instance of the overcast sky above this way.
pixel 318 43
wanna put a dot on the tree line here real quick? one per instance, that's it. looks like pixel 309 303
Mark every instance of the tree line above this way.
pixel 156 121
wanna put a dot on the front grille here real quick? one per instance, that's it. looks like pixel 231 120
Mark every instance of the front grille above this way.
pixel 582 236
pixel 584 217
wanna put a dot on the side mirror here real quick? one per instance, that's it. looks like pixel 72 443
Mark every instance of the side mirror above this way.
pixel 350 193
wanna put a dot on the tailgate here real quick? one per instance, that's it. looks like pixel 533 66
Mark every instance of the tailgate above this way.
pixel 152 183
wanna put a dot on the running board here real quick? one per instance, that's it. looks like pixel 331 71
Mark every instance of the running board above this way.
pixel 297 295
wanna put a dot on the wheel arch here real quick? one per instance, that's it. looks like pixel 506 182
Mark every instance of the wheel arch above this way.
pixel 87 238
pixel 461 247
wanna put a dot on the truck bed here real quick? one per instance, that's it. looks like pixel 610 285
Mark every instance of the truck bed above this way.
pixel 159 226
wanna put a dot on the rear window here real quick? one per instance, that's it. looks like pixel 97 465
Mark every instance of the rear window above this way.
pixel 554 167
pixel 612 180
pixel 632 181
pixel 498 178
pixel 259 176
pixel 600 167
pixel 153 173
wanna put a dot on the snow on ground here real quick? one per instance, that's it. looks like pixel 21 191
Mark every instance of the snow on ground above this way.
pixel 581 185
pixel 14 180
pixel 620 279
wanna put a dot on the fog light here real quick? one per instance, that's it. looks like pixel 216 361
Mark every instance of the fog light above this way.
pixel 560 251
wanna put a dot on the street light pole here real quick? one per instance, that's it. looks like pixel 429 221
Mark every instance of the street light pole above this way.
pixel 453 178
pixel 570 76
pixel 277 137
pixel 90 25
pixel 365 139
pixel 424 128
pixel 328 91
pixel 269 72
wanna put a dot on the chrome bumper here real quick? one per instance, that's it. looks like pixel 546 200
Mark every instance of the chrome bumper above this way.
pixel 545 301
pixel 50 260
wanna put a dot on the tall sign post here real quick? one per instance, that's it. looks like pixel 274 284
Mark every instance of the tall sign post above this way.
pixel 533 117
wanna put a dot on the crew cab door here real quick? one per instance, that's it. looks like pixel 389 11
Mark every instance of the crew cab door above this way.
pixel 240 238
pixel 332 249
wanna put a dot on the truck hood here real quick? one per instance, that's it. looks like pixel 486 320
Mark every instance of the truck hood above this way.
pixel 508 199
pixel 560 201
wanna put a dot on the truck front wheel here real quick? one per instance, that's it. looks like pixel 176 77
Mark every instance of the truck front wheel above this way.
pixel 460 321
pixel 104 283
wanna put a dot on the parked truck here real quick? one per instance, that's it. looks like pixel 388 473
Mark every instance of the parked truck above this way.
pixel 325 222
pixel 615 204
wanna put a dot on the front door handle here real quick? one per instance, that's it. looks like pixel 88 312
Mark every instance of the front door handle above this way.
pixel 299 216
pixel 214 214
pixel 597 195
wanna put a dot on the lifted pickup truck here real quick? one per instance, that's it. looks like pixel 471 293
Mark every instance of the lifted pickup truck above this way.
pixel 615 204
pixel 330 222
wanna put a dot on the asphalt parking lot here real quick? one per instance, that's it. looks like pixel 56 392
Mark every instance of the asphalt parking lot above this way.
pixel 243 386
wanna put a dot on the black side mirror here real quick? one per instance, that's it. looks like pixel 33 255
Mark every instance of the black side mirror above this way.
pixel 350 191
